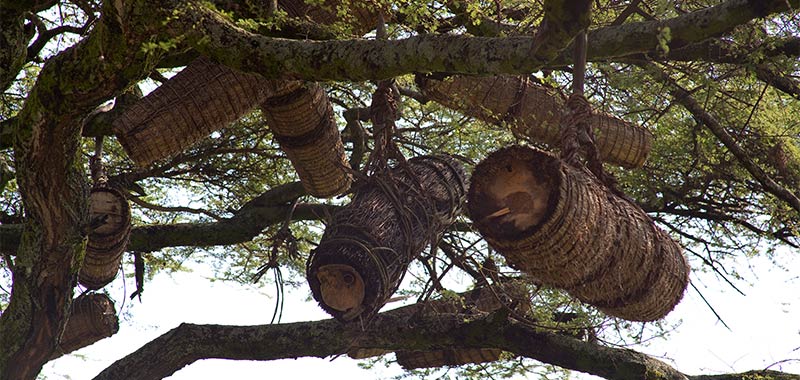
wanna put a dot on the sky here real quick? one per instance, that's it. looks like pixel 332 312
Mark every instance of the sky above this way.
pixel 764 326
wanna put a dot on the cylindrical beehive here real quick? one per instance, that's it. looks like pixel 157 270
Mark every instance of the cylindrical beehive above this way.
pixel 534 111
pixel 301 119
pixel 92 317
pixel 202 98
pixel 108 208
pixel 368 245
pixel 560 225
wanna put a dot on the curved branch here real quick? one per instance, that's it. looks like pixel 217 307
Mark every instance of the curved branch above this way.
pixel 393 330
pixel 360 60
pixel 684 98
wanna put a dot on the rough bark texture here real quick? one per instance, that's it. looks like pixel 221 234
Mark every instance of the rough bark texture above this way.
pixel 391 330
pixel 53 185
pixel 359 60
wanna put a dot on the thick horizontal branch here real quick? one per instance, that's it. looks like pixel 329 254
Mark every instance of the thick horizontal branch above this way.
pixel 272 207
pixel 359 60
pixel 393 330
pixel 643 37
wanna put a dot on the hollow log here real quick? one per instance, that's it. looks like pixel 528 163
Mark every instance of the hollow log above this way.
pixel 110 215
pixel 368 245
pixel 200 99
pixel 92 317
pixel 534 111
pixel 302 121
pixel 558 224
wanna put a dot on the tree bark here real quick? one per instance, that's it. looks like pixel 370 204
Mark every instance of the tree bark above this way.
pixel 52 181
pixel 393 330
pixel 359 60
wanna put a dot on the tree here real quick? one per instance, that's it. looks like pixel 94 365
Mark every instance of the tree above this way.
pixel 714 81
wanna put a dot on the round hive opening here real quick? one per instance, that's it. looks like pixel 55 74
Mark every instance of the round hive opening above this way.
pixel 341 286
pixel 511 196
pixel 112 208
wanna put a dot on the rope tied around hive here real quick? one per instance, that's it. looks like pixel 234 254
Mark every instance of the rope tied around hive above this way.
pixel 368 245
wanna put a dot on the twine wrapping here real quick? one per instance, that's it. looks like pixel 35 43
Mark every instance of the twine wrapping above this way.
pixel 534 112
pixel 386 226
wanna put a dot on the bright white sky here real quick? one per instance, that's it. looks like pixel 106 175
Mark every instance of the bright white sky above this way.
pixel 764 323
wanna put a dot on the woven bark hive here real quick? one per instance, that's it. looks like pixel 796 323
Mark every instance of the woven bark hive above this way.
pixel 367 246
pixel 567 230
pixel 301 119
pixel 92 317
pixel 108 208
pixel 534 111
pixel 202 98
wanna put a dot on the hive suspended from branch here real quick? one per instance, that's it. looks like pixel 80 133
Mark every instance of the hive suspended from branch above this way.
pixel 301 119
pixel 558 224
pixel 92 317
pixel 206 96
pixel 369 244
pixel 534 111
pixel 110 215
pixel 201 98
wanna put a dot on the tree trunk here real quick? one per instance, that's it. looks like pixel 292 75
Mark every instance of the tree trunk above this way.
pixel 534 112
pixel 567 230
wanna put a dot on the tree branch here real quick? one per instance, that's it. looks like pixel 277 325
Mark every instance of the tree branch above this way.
pixel 392 330
pixel 685 98
pixel 642 37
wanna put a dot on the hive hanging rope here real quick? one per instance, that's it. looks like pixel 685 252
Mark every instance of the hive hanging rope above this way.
pixel 110 227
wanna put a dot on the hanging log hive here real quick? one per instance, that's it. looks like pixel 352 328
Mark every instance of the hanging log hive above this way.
pixel 110 212
pixel 92 317
pixel 301 119
pixel 206 96
pixel 200 99
pixel 567 230
pixel 368 245
pixel 534 111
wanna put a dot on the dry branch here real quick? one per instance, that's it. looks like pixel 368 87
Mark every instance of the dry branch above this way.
pixel 569 231
pixel 534 112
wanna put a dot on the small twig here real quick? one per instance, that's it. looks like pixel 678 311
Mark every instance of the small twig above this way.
pixel 156 207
